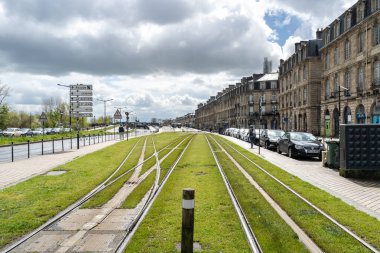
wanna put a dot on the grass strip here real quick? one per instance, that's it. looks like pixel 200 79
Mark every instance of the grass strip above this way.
pixel 147 165
pixel 217 228
pixel 326 234
pixel 169 161
pixel 139 192
pixel 104 196
pixel 174 143
pixel 273 234
pixel 29 204
pixel 133 158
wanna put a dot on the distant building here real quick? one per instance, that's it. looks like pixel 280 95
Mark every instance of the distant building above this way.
pixel 267 66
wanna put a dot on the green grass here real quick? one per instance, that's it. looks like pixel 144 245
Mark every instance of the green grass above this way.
pixel 133 158
pixel 169 161
pixel 327 235
pixel 217 228
pixel 29 204
pixel 105 195
pixel 273 234
pixel 139 192
pixel 174 143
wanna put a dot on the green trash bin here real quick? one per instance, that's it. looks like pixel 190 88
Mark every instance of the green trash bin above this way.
pixel 332 160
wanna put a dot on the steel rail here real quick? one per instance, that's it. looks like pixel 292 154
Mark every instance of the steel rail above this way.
pixel 68 209
pixel 344 228
pixel 80 202
pixel 131 230
pixel 252 240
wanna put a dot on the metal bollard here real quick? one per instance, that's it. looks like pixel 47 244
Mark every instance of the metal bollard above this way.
pixel 28 149
pixel 42 143
pixel 53 145
pixel 63 148
pixel 187 220
pixel 12 152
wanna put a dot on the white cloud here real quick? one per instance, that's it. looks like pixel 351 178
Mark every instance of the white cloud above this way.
pixel 158 57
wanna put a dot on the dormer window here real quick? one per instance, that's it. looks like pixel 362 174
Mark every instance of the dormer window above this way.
pixel 337 28
pixel 347 21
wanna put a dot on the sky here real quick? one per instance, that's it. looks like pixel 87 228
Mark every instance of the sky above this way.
pixel 155 58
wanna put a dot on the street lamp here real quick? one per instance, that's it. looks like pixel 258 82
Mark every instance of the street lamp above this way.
pixel 348 94
pixel 105 110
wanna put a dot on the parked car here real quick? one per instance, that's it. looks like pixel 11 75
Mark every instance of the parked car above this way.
pixel 258 132
pixel 269 138
pixel 37 131
pixel 56 130
pixel 300 144
pixel 12 132
pixel 26 132
pixel 243 133
pixel 48 130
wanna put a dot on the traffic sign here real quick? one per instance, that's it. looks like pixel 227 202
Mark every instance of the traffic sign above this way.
pixel 117 114
pixel 81 93
pixel 77 99
pixel 77 104
pixel 81 109
pixel 81 87
pixel 43 117
pixel 79 115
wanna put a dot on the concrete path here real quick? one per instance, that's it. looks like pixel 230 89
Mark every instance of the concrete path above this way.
pixel 362 194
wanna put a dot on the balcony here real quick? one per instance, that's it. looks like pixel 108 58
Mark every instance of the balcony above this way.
pixel 274 101
pixel 263 102
pixel 347 93
pixel 251 103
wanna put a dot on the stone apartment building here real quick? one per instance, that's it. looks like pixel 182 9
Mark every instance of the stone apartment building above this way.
pixel 186 120
pixel 300 88
pixel 240 105
pixel 351 68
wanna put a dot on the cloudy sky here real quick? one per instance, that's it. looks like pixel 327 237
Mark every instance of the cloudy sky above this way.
pixel 157 58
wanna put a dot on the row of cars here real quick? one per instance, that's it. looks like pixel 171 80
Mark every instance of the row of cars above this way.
pixel 16 132
pixel 294 144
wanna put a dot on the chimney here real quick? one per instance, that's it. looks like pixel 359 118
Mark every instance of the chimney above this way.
pixel 319 34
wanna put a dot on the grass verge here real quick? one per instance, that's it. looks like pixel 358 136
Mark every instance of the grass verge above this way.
pixel 217 228
pixel 29 204
pixel 327 235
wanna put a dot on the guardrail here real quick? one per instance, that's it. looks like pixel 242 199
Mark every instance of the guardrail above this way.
pixel 19 151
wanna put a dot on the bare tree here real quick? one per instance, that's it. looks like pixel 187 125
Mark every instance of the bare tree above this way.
pixel 4 92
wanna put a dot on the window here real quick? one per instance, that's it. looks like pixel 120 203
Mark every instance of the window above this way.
pixel 327 66
pixel 347 80
pixel 360 78
pixel 274 109
pixel 337 28
pixel 262 85
pixel 328 36
pixel 347 22
pixel 273 85
pixel 274 98
pixel 336 55
pixel 377 4
pixel 327 88
pixel 251 109
pixel 336 84
pixel 376 73
pixel 262 99
pixel 250 86
pixel 361 42
pixel 376 34
pixel 304 95
pixel 347 50
pixel 304 73
pixel 250 98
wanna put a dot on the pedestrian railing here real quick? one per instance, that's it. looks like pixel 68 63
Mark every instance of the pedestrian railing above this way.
pixel 19 151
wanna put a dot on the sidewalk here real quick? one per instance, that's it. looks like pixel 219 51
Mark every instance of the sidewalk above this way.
pixel 16 172
pixel 362 194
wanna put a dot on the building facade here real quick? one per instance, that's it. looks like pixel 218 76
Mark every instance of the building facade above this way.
pixel 351 68
pixel 300 88
pixel 253 101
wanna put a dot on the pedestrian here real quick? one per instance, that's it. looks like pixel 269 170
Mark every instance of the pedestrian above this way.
pixel 252 135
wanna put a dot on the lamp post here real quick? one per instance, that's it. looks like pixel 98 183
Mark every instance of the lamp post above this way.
pixel 347 90
pixel 105 110
pixel 127 119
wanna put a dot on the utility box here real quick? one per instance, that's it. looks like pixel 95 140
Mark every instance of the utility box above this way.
pixel 332 160
pixel 360 150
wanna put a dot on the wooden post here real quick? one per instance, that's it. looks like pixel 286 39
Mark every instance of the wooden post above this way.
pixel 187 220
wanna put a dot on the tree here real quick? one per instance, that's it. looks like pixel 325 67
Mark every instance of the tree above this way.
pixel 4 92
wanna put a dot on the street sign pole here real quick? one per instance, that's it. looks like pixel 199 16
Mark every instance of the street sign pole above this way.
pixel 77 132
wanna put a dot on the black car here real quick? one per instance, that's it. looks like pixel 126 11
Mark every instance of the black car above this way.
pixel 269 138
pixel 300 144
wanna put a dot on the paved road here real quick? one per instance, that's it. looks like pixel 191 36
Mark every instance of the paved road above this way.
pixel 362 194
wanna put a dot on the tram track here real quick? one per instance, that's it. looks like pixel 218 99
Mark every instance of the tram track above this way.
pixel 106 183
pixel 292 191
